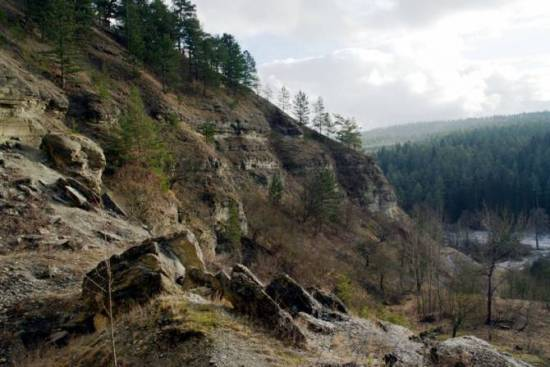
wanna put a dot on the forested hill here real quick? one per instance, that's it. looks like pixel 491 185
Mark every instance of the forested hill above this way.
pixel 416 132
pixel 505 167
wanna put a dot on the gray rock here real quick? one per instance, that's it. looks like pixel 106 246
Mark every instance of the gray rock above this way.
pixel 77 156
pixel 471 351
pixel 292 297
pixel 141 273
pixel 248 297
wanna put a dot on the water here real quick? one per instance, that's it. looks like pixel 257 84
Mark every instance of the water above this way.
pixel 527 239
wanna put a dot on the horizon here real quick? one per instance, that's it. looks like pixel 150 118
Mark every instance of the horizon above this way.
pixel 387 62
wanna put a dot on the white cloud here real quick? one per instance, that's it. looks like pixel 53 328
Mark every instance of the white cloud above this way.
pixel 392 61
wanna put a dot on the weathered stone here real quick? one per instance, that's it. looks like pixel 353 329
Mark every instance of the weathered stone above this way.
pixel 78 156
pixel 328 300
pixel 471 351
pixel 292 297
pixel 316 325
pixel 77 198
pixel 248 297
pixel 110 204
pixel 142 272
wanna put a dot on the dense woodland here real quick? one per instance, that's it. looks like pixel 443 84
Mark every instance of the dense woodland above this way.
pixel 501 167
pixel 169 40
pixel 422 131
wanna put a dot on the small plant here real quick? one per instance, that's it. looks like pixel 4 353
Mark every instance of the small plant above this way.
pixel 102 84
pixel 208 130
pixel 344 289
pixel 276 189
pixel 233 226
pixel 173 119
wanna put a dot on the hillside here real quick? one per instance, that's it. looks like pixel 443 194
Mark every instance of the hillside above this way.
pixel 501 167
pixel 192 223
pixel 421 131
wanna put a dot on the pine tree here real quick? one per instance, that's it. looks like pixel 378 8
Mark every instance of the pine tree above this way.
pixel 250 75
pixel 319 115
pixel 301 108
pixel 322 197
pixel 185 12
pixel 284 99
pixel 348 133
pixel 276 189
pixel 106 10
pixel 61 30
pixel 133 14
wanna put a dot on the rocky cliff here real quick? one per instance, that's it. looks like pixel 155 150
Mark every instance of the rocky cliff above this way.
pixel 76 223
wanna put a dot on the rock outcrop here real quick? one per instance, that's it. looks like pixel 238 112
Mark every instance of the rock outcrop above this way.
pixel 77 156
pixel 293 297
pixel 471 351
pixel 248 296
pixel 155 267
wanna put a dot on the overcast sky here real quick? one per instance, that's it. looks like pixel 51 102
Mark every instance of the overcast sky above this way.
pixel 396 61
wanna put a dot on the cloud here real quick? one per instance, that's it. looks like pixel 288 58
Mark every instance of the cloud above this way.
pixel 394 61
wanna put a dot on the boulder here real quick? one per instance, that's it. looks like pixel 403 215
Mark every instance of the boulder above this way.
pixel 328 300
pixel 471 351
pixel 292 297
pixel 248 296
pixel 77 156
pixel 141 273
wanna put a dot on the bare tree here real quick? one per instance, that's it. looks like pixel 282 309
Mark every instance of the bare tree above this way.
pixel 538 223
pixel 284 99
pixel 503 230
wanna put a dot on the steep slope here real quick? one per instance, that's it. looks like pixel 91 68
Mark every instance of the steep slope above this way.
pixel 57 225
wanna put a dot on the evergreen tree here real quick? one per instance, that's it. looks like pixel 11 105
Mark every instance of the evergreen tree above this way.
pixel 133 15
pixel 348 133
pixel 301 108
pixel 61 30
pixel 251 75
pixel 276 189
pixel 321 197
pixel 185 12
pixel 319 115
pixel 106 10
pixel 160 41
pixel 284 99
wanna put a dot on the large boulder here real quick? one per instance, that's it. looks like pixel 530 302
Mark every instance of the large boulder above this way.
pixel 293 297
pixel 157 266
pixel 77 156
pixel 248 296
pixel 471 351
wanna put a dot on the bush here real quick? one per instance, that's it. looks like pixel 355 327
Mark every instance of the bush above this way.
pixel 138 140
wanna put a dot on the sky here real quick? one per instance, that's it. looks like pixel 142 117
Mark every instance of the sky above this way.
pixel 388 62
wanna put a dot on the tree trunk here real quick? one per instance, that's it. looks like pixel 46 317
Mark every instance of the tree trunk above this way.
pixel 489 319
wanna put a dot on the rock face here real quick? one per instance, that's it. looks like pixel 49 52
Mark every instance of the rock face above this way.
pixel 293 297
pixel 471 351
pixel 29 105
pixel 328 300
pixel 77 156
pixel 157 266
pixel 248 296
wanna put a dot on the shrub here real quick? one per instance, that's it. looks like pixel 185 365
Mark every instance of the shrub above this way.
pixel 208 130
pixel 138 140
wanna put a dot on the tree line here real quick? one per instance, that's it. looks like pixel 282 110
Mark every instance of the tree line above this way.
pixel 506 167
pixel 314 115
pixel 169 40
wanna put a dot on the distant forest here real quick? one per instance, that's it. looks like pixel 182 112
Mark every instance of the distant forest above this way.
pixel 501 167
pixel 422 131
